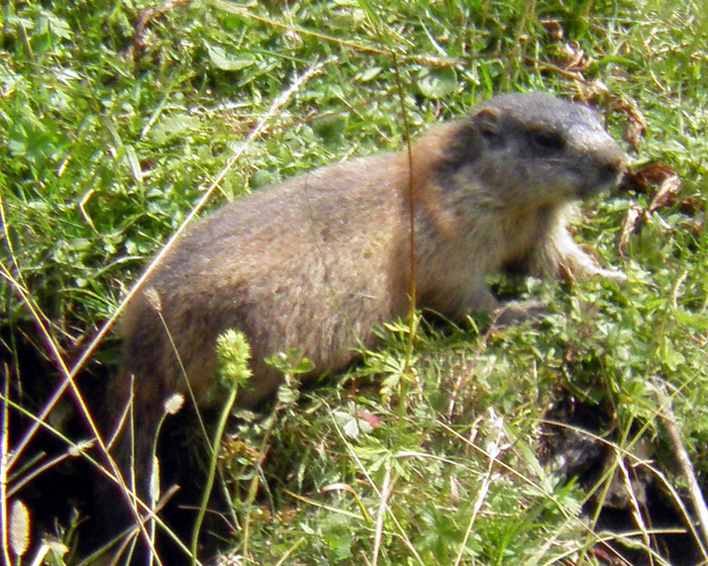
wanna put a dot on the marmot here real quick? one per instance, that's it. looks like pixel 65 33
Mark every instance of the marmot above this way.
pixel 316 262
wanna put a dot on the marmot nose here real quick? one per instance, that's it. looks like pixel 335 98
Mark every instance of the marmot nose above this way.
pixel 608 165
pixel 611 163
pixel 610 172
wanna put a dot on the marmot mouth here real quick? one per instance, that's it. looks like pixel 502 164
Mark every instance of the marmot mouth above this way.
pixel 606 178
pixel 589 190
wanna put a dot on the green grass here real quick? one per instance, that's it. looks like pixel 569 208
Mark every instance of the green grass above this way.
pixel 107 144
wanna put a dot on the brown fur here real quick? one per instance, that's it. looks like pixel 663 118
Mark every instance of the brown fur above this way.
pixel 318 261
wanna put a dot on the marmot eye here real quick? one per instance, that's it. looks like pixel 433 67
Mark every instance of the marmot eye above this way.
pixel 547 141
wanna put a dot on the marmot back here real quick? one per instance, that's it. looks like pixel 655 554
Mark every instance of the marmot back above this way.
pixel 318 261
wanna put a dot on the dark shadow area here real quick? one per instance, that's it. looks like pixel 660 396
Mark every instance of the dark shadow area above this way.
pixel 586 458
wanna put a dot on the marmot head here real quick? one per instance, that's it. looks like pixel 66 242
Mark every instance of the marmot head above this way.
pixel 531 149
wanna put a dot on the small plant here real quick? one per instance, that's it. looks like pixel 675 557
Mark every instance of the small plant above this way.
pixel 233 353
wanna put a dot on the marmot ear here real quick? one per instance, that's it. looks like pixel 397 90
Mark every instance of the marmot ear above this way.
pixel 487 121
